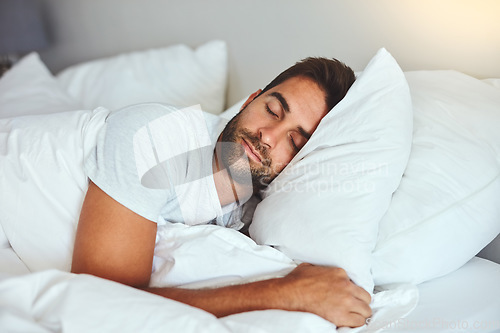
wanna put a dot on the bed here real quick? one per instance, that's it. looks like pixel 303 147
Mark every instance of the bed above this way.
pixel 408 221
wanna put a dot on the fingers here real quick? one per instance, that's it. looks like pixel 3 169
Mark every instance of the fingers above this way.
pixel 351 313
pixel 362 308
pixel 351 320
pixel 362 294
pixel 355 310
pixel 353 302
pixel 328 292
pixel 359 306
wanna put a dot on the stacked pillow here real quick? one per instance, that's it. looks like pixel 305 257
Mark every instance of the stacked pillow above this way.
pixel 447 207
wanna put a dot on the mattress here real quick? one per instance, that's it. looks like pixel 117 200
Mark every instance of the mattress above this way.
pixel 467 300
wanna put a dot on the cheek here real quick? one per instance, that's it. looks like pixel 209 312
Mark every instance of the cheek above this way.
pixel 254 117
pixel 280 160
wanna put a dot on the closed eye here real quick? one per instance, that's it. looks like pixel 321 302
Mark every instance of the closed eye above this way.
pixel 294 145
pixel 271 112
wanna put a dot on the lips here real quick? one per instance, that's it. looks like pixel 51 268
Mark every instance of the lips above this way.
pixel 250 151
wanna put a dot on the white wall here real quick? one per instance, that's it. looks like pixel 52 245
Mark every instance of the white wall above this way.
pixel 266 36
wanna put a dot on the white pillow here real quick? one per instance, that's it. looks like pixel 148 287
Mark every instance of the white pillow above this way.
pixel 176 75
pixel 447 207
pixel 234 109
pixel 29 88
pixel 325 206
pixel 493 82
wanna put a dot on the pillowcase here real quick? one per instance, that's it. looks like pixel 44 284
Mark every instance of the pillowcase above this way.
pixel 233 110
pixel 176 75
pixel 28 88
pixel 447 207
pixel 324 208
pixel 493 82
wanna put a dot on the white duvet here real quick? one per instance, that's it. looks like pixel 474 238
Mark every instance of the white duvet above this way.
pixel 201 256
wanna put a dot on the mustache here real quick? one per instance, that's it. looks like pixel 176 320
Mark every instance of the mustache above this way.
pixel 255 141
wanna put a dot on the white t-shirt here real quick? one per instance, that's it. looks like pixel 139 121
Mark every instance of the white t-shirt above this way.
pixel 156 160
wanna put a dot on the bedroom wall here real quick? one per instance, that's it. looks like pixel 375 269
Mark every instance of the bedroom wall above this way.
pixel 264 37
pixel 492 251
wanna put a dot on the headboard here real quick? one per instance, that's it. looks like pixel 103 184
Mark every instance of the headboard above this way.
pixel 265 37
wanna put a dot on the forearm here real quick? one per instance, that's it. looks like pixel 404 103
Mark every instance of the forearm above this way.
pixel 260 295
pixel 325 291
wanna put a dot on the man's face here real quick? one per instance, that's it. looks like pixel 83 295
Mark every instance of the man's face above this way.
pixel 271 128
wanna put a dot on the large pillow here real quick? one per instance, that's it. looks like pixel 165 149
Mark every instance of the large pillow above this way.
pixel 447 207
pixel 493 82
pixel 29 88
pixel 325 206
pixel 176 75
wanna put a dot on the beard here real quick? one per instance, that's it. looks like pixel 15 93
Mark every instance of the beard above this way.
pixel 232 154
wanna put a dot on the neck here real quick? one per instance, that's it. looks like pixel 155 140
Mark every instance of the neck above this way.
pixel 228 190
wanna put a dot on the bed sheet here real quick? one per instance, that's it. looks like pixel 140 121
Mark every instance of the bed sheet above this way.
pixel 9 260
pixel 467 300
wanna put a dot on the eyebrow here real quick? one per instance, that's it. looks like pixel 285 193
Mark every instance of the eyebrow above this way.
pixel 285 106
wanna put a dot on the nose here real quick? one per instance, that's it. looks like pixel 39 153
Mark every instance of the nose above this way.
pixel 270 135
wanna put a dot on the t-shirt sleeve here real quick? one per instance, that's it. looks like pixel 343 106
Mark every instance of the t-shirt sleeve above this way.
pixel 126 162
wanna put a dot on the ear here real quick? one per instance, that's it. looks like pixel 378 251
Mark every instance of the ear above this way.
pixel 250 98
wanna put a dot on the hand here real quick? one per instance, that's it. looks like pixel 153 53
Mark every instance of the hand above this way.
pixel 329 293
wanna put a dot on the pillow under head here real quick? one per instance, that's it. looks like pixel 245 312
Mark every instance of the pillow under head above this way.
pixel 324 208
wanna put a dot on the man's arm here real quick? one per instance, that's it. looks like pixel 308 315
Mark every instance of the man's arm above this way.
pixel 115 243
pixel 112 241
pixel 325 291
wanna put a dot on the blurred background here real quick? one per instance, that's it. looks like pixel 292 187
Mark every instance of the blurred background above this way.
pixel 266 36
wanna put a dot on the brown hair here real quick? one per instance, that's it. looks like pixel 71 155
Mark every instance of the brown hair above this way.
pixel 332 76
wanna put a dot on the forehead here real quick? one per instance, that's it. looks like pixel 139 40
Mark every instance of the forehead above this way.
pixel 305 99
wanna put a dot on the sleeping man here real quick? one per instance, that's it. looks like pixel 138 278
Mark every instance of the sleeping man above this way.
pixel 137 183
